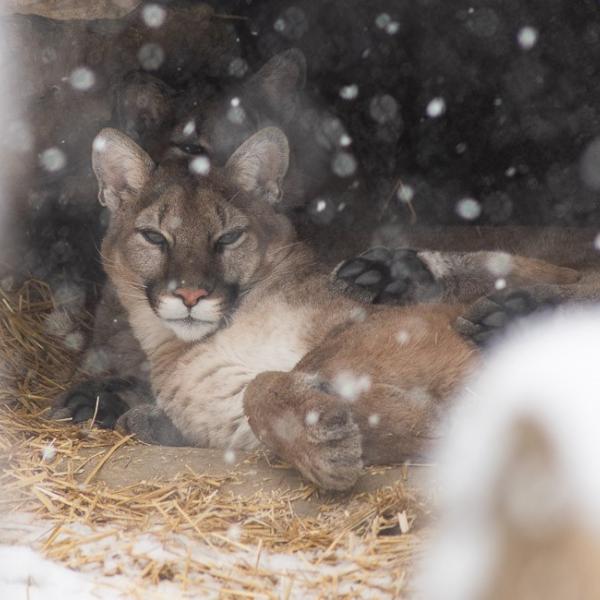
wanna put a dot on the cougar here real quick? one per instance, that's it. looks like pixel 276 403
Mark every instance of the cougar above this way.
pixel 113 374
pixel 272 95
pixel 246 339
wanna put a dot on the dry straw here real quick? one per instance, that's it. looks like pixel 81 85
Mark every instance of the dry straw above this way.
pixel 372 538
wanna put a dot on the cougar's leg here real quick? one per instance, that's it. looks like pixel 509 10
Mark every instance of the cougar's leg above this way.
pixel 309 428
pixel 491 315
pixel 405 276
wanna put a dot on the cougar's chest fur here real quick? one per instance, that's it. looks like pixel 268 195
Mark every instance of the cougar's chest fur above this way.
pixel 214 374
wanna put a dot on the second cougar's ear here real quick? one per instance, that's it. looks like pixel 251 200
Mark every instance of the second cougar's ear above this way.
pixel 259 165
pixel 278 82
pixel 121 167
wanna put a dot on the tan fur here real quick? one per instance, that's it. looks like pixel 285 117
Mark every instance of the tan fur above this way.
pixel 411 361
pixel 326 382
pixel 554 558
pixel 465 276
pixel 564 246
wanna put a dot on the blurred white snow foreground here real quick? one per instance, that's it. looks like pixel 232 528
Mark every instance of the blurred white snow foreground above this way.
pixel 520 514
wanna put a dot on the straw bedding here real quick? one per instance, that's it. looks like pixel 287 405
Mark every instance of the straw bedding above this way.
pixel 186 537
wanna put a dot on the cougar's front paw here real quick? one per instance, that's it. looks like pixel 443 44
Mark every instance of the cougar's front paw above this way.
pixel 321 440
pixel 102 397
pixel 150 424
pixel 333 455
pixel 491 315
pixel 388 276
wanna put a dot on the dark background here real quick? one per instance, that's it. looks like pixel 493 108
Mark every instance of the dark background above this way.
pixel 516 123
pixel 520 133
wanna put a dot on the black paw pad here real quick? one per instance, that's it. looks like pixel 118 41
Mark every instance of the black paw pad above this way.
pixel 491 315
pixel 369 271
pixel 394 277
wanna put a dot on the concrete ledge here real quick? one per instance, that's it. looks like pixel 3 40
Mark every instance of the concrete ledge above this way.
pixel 132 464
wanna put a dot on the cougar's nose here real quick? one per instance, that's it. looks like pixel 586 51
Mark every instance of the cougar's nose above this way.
pixel 191 296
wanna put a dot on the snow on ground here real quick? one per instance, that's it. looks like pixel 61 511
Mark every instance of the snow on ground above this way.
pixel 112 562
pixel 25 574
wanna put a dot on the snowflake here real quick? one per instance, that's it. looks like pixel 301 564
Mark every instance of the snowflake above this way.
pixel 436 108
pixel 527 37
pixel 200 165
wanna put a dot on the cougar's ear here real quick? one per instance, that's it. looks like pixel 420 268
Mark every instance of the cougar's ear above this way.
pixel 121 167
pixel 259 165
pixel 278 82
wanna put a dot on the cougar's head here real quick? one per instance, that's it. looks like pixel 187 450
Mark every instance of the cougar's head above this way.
pixel 188 245
pixel 216 122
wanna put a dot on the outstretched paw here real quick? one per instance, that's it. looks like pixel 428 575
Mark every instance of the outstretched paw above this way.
pixel 309 428
pixel 104 398
pixel 150 424
pixel 333 458
pixel 491 315
pixel 388 276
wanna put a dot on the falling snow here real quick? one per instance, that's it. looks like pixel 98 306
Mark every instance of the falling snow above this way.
pixel 358 314
pixel 234 532
pixel 82 79
pixel 74 341
pixel 405 193
pixel 436 108
pixel 349 386
pixel 154 15
pixel 392 28
pixel 383 108
pixel 527 37
pixel 236 114
pixel 468 209
pixel 343 164
pixel 499 263
pixel 238 67
pixel 151 56
pixel 312 417
pixel 382 20
pixel 374 420
pixel 403 337
pixel 189 128
pixel 200 165
pixel 99 144
pixel 349 92
pixel 48 453
pixel 53 159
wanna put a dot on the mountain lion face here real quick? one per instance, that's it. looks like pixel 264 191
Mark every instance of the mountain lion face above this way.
pixel 189 245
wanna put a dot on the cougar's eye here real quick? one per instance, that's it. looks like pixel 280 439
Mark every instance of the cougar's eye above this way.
pixel 192 148
pixel 153 237
pixel 231 237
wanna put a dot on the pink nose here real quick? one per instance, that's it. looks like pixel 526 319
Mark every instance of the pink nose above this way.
pixel 190 296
